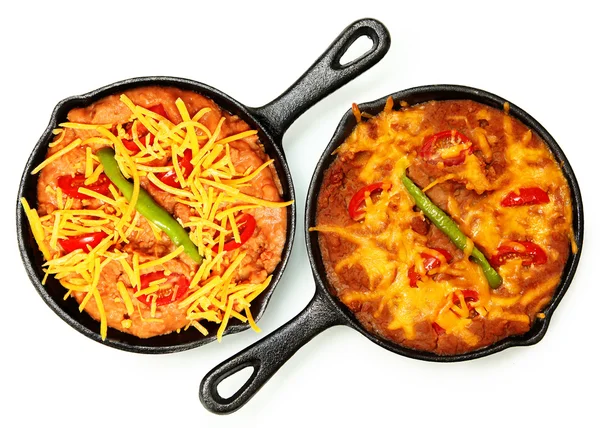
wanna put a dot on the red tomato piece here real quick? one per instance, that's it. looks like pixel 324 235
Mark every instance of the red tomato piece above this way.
pixel 177 283
pixel 142 131
pixel 529 252
pixel 356 207
pixel 70 185
pixel 131 146
pixel 526 196
pixel 437 328
pixel 429 262
pixel 85 242
pixel 413 277
pixel 158 109
pixel 469 296
pixel 432 145
pixel 246 225
pixel 144 138
pixel 170 177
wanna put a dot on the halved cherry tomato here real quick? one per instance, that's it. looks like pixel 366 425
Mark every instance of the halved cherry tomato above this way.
pixel 356 208
pixel 445 139
pixel 170 177
pixel 142 131
pixel 526 196
pixel 437 328
pixel 178 285
pixel 529 252
pixel 429 262
pixel 70 185
pixel 131 146
pixel 469 296
pixel 246 225
pixel 158 109
pixel 413 277
pixel 85 242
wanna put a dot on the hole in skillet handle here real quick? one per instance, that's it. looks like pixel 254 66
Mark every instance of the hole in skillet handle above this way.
pixel 325 75
pixel 252 357
pixel 239 379
pixel 267 355
pixel 354 50
pixel 223 402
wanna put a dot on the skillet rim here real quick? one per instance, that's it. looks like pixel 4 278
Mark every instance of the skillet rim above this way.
pixel 423 94
pixel 32 258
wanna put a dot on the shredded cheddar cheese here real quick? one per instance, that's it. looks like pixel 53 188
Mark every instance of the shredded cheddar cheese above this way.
pixel 214 192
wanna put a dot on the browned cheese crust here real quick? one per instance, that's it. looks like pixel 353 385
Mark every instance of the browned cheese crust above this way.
pixel 369 262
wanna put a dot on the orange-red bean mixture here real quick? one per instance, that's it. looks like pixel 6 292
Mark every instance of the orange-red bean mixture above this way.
pixel 202 165
pixel 401 276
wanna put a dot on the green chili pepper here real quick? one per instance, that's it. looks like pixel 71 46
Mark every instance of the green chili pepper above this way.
pixel 450 229
pixel 147 206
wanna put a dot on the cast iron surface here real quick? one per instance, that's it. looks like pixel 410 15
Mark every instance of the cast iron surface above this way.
pixel 272 120
pixel 325 310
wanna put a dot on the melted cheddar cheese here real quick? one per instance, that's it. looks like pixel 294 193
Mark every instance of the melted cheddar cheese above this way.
pixel 390 268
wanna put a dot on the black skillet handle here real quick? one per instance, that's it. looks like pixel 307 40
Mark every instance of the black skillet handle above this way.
pixel 325 76
pixel 267 355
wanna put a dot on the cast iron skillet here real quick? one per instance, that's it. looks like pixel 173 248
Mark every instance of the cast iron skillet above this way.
pixel 271 120
pixel 325 310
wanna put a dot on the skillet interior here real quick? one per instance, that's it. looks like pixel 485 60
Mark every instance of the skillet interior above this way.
pixel 53 292
pixel 415 96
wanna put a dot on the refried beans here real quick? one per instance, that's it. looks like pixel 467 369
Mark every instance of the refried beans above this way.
pixel 402 277
pixel 205 167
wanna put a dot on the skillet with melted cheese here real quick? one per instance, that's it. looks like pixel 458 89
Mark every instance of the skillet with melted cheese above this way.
pixel 397 272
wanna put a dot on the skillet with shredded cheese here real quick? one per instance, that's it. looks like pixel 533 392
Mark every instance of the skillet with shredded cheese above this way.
pixel 122 277
pixel 400 275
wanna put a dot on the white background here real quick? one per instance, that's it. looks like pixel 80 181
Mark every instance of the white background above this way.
pixel 542 57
